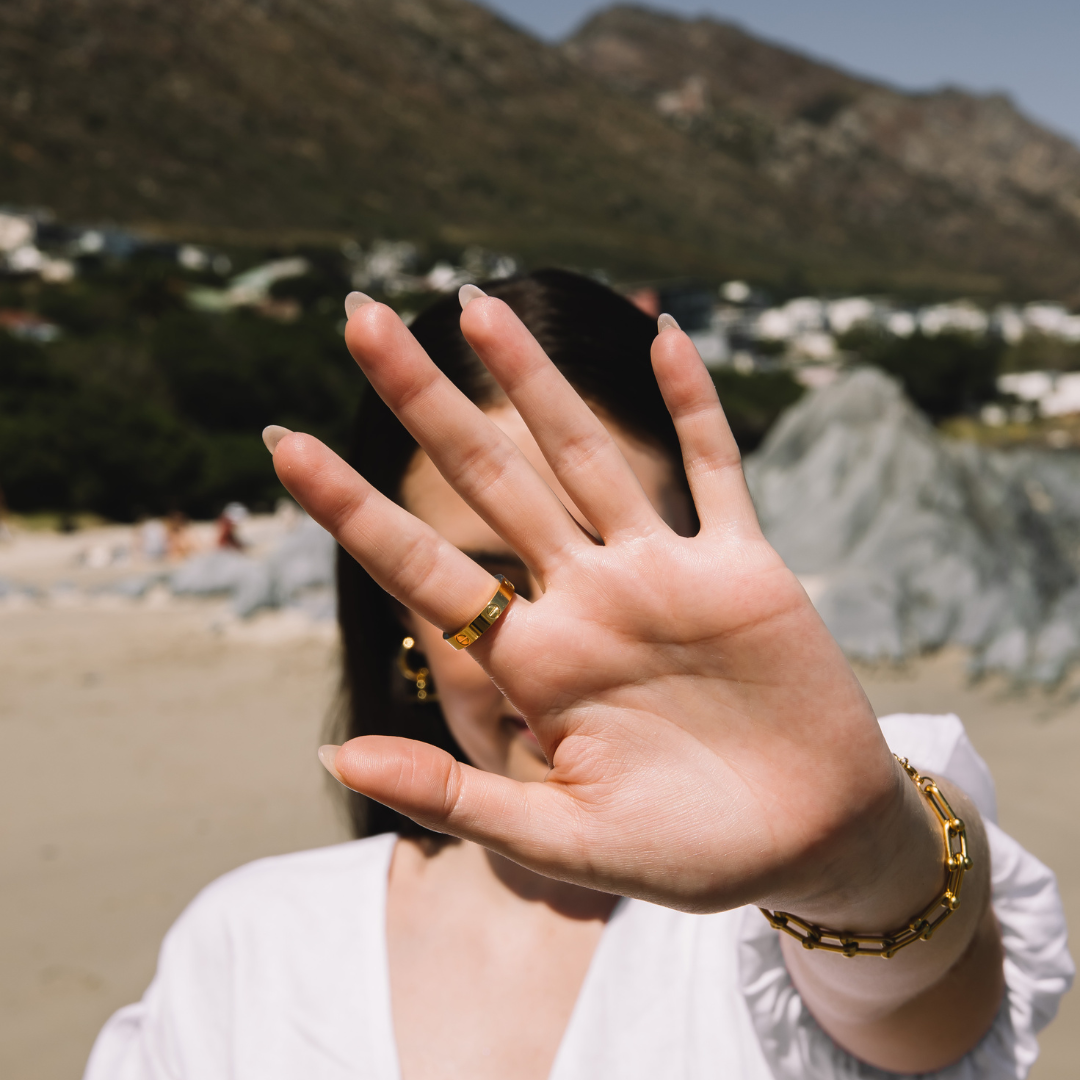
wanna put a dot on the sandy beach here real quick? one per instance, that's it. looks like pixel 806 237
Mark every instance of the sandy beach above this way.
pixel 149 745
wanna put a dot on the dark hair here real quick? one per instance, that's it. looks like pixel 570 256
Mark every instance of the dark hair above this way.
pixel 601 343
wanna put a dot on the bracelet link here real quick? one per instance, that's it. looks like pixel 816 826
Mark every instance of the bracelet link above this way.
pixel 957 863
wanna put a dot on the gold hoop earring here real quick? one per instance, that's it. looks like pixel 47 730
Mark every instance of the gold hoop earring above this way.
pixel 420 677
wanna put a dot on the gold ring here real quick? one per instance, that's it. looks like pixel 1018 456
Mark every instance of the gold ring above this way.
pixel 471 631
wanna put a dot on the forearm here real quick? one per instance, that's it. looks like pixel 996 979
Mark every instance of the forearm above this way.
pixel 932 1001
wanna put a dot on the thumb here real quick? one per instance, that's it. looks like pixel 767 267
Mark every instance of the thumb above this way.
pixel 534 824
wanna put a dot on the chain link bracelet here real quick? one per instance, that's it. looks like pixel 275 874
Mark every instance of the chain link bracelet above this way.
pixel 957 862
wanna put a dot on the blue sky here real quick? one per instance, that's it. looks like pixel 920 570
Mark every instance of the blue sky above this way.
pixel 1031 50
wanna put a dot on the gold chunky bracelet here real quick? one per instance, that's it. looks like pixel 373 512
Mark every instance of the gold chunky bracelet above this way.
pixel 957 862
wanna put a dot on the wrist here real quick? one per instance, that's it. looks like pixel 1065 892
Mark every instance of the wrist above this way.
pixel 881 868
pixel 868 1007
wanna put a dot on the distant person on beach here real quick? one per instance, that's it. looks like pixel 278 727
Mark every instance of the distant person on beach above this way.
pixel 228 524
pixel 625 811
pixel 178 542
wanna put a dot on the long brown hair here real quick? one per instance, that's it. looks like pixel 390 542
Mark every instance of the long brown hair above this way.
pixel 601 343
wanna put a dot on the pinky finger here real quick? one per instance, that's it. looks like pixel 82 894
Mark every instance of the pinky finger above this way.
pixel 710 454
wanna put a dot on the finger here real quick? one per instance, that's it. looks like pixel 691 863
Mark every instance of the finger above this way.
pixel 406 557
pixel 577 446
pixel 710 454
pixel 534 824
pixel 479 460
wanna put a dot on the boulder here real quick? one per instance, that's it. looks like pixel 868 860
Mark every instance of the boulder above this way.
pixel 917 541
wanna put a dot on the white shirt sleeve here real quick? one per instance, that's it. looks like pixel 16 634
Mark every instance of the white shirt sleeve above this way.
pixel 190 993
pixel 1038 968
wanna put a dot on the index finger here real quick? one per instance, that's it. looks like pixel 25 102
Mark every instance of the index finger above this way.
pixel 405 556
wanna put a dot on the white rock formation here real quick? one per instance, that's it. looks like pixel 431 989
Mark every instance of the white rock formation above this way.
pixel 912 541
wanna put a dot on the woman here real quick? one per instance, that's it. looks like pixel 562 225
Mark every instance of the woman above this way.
pixel 657 713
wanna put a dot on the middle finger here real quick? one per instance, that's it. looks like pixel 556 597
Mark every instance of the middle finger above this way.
pixel 479 461
pixel 576 444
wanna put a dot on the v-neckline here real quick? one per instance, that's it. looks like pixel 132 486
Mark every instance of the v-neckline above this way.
pixel 580 1001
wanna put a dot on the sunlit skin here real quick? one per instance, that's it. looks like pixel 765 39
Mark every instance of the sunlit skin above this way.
pixel 709 745
pixel 486 725
pixel 487 958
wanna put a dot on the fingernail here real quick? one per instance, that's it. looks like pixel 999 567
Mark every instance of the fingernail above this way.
pixel 666 321
pixel 273 434
pixel 467 293
pixel 355 300
pixel 327 754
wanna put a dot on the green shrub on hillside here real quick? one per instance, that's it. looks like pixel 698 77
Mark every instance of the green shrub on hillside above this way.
pixel 945 375
pixel 1039 352
pixel 143 406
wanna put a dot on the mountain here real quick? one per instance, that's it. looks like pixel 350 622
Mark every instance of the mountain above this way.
pixel 948 175
pixel 424 118
pixel 645 144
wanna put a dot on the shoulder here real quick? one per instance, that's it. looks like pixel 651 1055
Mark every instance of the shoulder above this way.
pixel 309 887
pixel 279 917
pixel 302 874
pixel 268 960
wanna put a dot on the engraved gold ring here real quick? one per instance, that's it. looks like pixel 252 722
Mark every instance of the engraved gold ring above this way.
pixel 472 630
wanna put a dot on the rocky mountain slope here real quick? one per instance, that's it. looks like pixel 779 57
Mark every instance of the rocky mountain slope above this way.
pixel 947 171
pixel 646 144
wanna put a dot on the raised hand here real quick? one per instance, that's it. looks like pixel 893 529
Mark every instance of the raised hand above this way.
pixel 709 744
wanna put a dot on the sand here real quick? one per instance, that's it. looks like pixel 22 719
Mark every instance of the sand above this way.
pixel 146 747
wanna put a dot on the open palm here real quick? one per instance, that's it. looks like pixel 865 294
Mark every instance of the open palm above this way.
pixel 707 739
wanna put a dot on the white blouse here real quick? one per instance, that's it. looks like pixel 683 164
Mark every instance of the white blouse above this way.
pixel 278 971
